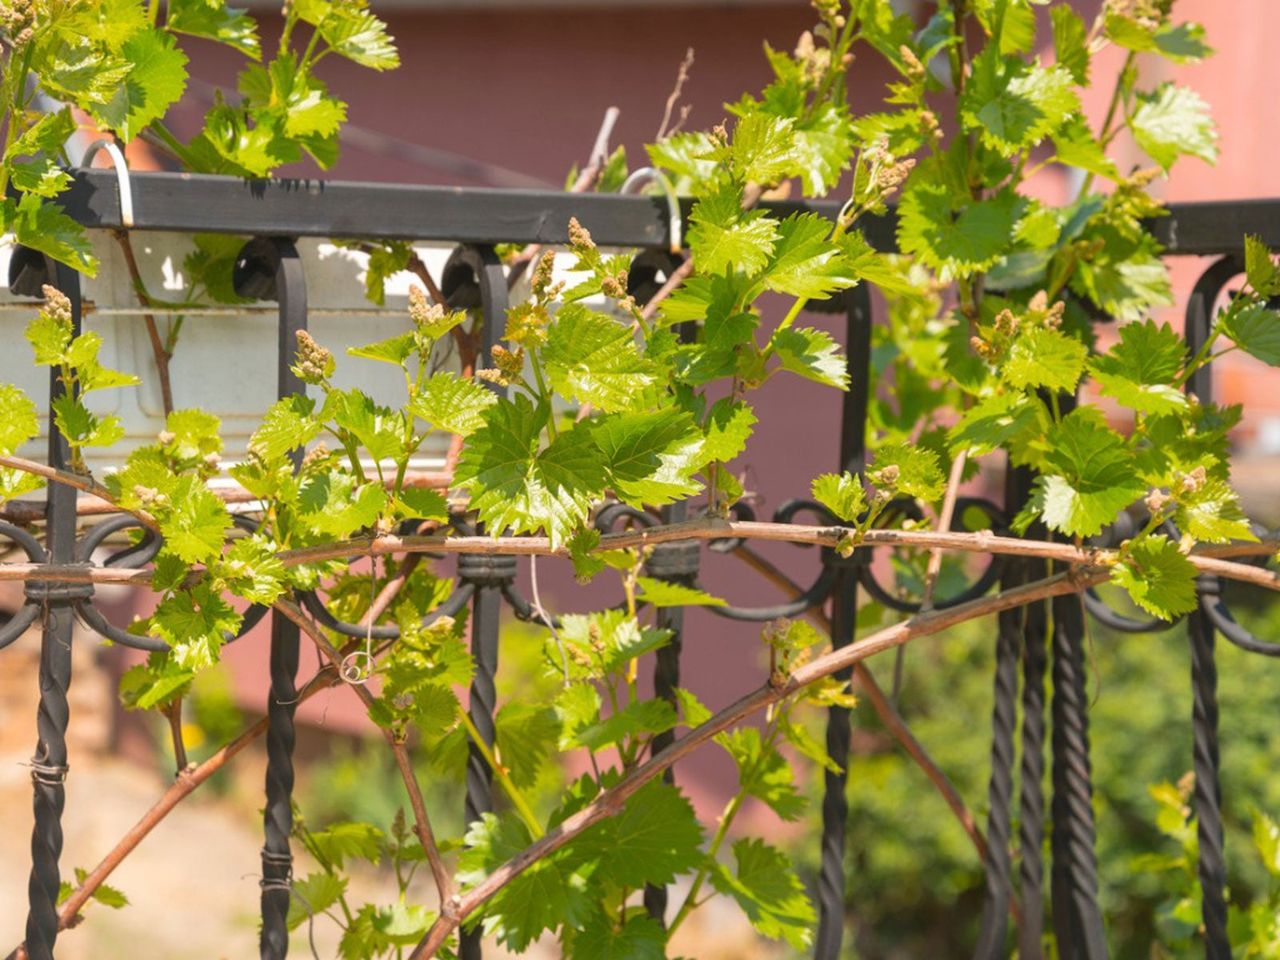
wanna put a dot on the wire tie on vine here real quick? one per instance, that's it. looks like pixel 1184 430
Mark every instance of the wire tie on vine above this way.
pixel 356 668
pixel 653 174
pixel 123 184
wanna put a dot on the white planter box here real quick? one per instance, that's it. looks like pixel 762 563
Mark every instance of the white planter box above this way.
pixel 224 364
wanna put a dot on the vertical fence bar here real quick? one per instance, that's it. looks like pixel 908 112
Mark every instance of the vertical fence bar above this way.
pixel 276 267
pixel 1212 866
pixel 994 926
pixel 1035 626
pixel 49 764
pixel 675 563
pixel 1077 917
pixel 473 277
pixel 844 608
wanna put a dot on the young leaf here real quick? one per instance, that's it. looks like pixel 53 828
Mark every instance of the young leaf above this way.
pixel 812 354
pixel 1157 576
pixel 1140 370
pixel 654 839
pixel 195 522
pixel 1070 43
pixel 594 359
pixel 767 889
pixel 453 404
pixel 915 470
pixel 1091 477
pixel 763 772
pixel 962 242
pixel 640 938
pixel 18 420
pixel 805 263
pixel 1255 329
pixel 1173 121
pixel 1015 109
pixel 995 421
pixel 661 593
pixel 723 237
pixel 651 457
pixel 313 895
pixel 728 427
pixel 156 80
pixel 634 720
pixel 842 494
pixel 1040 357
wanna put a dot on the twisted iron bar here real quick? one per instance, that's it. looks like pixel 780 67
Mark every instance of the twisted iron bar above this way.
pixel 993 927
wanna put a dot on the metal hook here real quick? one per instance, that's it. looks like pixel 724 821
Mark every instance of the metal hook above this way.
pixel 123 184
pixel 654 175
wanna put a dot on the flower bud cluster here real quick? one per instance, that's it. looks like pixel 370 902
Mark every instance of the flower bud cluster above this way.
pixel 56 305
pixel 315 363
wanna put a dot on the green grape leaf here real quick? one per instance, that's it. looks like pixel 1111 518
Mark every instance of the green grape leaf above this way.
pixel 995 421
pixel 764 772
pixel 525 735
pixel 515 485
pixel 194 522
pixel 959 242
pixel 377 429
pixel 346 840
pixel 762 149
pixel 1126 287
pixel 1172 122
pixel 18 419
pixel 355 33
pixel 1255 328
pixel 654 839
pixel 805 263
pixel 194 623
pixel 640 938
pixel 688 155
pixel 288 424
pixel 157 77
pixel 1211 513
pixel 634 720
pixel 311 896
pixel 157 681
pixel 1157 576
pixel 538 899
pixel 812 354
pixel 44 227
pixel 840 493
pixel 1092 476
pixel 767 889
pixel 1040 357
pixel 1260 268
pixel 82 428
pixel 1015 111
pixel 452 403
pixel 338 504
pixel 918 473
pixel 394 350
pixel 662 593
pixel 728 428
pixel 253 570
pixel 651 457
pixel 594 359
pixel 1140 370
pixel 723 237
pixel 223 24
pixel 577 706
pixel 1070 43
pixel 42 177
pixel 1076 146
pixel 421 503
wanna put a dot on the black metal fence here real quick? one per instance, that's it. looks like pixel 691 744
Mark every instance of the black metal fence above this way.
pixel 277 212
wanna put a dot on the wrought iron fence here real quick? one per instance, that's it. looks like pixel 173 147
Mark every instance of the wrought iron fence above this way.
pixel 277 212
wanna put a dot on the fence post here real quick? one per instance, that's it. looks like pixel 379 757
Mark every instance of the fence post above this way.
pixel 270 269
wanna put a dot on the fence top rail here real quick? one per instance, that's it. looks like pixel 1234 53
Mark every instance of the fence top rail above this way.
pixel 201 203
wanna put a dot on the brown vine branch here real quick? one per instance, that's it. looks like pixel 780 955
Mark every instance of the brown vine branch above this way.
pixel 586 179
pixel 934 568
pixel 422 822
pixel 1206 558
pixel 612 800
pixel 885 711
pixel 682 77
pixel 160 351
pixel 80 482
